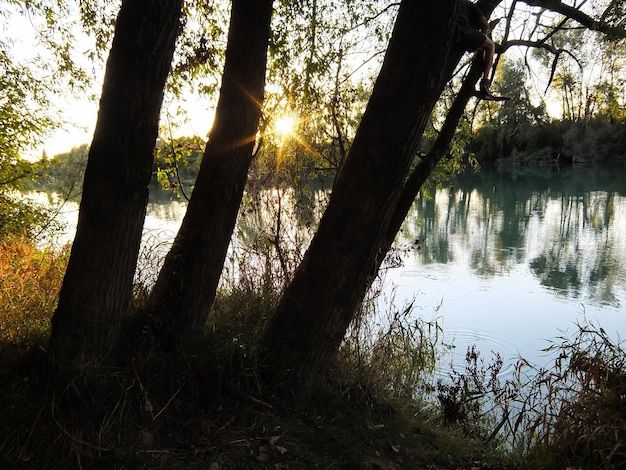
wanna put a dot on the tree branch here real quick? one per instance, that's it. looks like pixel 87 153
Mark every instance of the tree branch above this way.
pixel 578 16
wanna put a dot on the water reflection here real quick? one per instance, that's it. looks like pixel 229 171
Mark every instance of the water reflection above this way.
pixel 563 226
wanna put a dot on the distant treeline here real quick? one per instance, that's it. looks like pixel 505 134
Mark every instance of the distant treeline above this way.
pixel 176 163
pixel 599 141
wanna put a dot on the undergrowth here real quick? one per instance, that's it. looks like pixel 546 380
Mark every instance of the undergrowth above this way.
pixel 570 415
pixel 207 406
pixel 575 412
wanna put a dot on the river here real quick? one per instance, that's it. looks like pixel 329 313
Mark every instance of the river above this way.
pixel 509 261
pixel 506 261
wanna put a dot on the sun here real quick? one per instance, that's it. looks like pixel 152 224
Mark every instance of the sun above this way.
pixel 285 125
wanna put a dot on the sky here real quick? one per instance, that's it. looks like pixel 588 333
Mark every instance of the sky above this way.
pixel 79 113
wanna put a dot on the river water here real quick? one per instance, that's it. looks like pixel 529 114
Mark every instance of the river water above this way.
pixel 506 261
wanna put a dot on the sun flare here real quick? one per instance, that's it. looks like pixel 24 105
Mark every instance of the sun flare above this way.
pixel 285 125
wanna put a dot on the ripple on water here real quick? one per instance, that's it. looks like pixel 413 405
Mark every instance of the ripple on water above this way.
pixel 488 345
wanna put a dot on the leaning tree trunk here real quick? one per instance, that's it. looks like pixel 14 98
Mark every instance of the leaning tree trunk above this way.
pixel 441 146
pixel 98 282
pixel 427 164
pixel 180 301
pixel 317 307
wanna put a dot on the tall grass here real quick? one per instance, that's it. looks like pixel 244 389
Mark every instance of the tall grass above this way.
pixel 30 280
pixel 571 414
pixel 575 412
pixel 391 354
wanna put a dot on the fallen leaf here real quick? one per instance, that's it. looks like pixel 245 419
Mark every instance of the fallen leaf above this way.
pixel 263 454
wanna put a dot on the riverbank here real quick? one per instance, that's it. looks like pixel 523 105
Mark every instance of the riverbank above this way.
pixel 207 406
pixel 162 413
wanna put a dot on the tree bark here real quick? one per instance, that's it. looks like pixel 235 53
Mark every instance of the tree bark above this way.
pixel 184 292
pixel 98 281
pixel 312 317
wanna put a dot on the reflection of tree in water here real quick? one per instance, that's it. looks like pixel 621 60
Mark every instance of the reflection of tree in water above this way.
pixel 551 272
pixel 584 259
pixel 559 266
pixel 563 225
pixel 606 275
pixel 429 226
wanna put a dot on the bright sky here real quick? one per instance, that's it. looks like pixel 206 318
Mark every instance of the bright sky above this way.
pixel 79 113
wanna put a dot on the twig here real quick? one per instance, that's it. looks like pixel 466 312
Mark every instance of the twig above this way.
pixel 79 441
pixel 168 402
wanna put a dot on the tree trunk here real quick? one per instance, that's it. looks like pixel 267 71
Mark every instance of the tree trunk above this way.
pixel 317 307
pixel 441 146
pixel 98 282
pixel 186 286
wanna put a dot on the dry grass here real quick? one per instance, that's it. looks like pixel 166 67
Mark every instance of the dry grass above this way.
pixel 208 405
pixel 30 280
pixel 391 355
pixel 575 412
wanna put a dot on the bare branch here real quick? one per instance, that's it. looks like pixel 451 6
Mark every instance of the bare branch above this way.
pixel 577 15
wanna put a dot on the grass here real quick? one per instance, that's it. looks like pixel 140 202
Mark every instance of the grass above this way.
pixel 577 409
pixel 207 407
pixel 30 280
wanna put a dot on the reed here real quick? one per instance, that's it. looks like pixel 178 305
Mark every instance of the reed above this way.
pixel 575 411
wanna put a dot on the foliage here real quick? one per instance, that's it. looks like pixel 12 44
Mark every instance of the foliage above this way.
pixel 558 143
pixel 176 164
pixel 31 76
pixel 460 158
pixel 24 104
pixel 613 15
pixel 23 218
pixel 63 174
pixel 175 168
pixel 520 134
pixel 200 50
pixel 24 120
pixel 43 62
pixel 322 62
